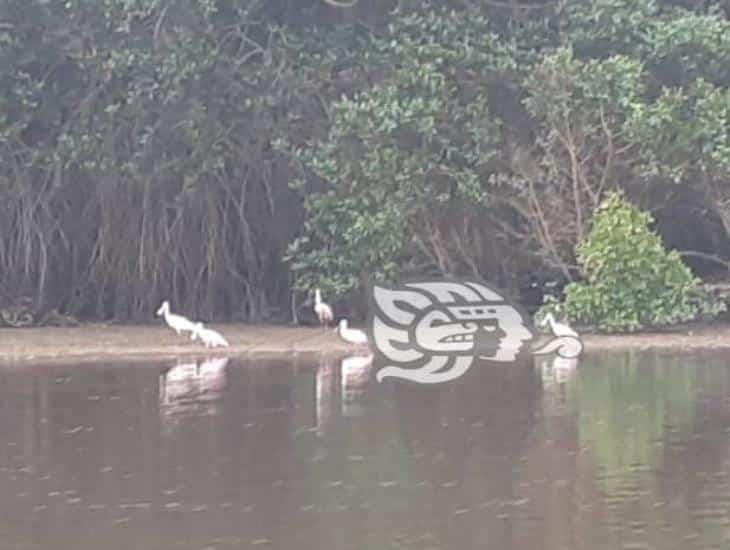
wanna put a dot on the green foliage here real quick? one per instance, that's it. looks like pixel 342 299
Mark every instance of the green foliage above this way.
pixel 141 130
pixel 400 153
pixel 684 133
pixel 566 92
pixel 604 27
pixel 584 110
pixel 136 158
pixel 592 92
pixel 687 46
pixel 635 90
pixel 631 282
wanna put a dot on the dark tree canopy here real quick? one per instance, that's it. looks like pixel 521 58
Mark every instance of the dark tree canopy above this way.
pixel 223 153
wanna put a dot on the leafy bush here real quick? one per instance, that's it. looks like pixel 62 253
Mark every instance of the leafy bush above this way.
pixel 402 156
pixel 632 281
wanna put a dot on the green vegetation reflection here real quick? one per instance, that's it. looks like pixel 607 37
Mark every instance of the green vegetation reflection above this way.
pixel 627 405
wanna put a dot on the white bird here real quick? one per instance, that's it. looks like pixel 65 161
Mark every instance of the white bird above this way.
pixel 351 335
pixel 323 311
pixel 208 336
pixel 559 329
pixel 176 322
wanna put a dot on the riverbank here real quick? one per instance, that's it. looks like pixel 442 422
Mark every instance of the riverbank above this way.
pixel 95 342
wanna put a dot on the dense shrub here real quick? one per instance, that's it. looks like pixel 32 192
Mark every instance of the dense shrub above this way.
pixel 472 154
pixel 404 162
pixel 631 280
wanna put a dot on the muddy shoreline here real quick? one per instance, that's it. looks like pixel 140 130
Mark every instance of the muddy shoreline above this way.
pixel 99 342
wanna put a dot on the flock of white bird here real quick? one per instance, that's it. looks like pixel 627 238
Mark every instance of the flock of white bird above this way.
pixel 211 338
pixel 179 323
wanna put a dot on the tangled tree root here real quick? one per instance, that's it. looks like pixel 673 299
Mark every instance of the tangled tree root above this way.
pixel 22 313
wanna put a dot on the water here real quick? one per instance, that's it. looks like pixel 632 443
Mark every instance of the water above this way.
pixel 623 451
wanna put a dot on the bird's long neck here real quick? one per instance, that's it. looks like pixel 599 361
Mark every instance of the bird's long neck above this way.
pixel 166 310
pixel 317 297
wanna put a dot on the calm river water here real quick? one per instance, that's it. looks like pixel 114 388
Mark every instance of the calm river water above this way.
pixel 622 451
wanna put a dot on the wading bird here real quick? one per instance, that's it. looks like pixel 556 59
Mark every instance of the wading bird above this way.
pixel 351 335
pixel 208 336
pixel 323 311
pixel 176 322
pixel 559 329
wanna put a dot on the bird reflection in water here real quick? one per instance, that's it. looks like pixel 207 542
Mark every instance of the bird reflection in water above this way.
pixel 341 388
pixel 557 373
pixel 355 375
pixel 324 393
pixel 193 388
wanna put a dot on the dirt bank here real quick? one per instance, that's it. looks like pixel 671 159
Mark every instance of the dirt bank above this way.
pixel 105 342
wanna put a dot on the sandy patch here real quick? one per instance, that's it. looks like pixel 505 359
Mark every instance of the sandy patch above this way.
pixel 145 342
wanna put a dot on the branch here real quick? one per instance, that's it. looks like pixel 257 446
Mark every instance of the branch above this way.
pixel 462 248
pixel 704 256
pixel 543 230
pixel 608 166
pixel 158 27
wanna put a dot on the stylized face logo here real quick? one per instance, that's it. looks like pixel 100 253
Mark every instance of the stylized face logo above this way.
pixel 438 328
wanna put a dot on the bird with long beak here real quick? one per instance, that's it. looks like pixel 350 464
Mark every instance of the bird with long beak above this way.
pixel 323 310
pixel 351 335
pixel 178 323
